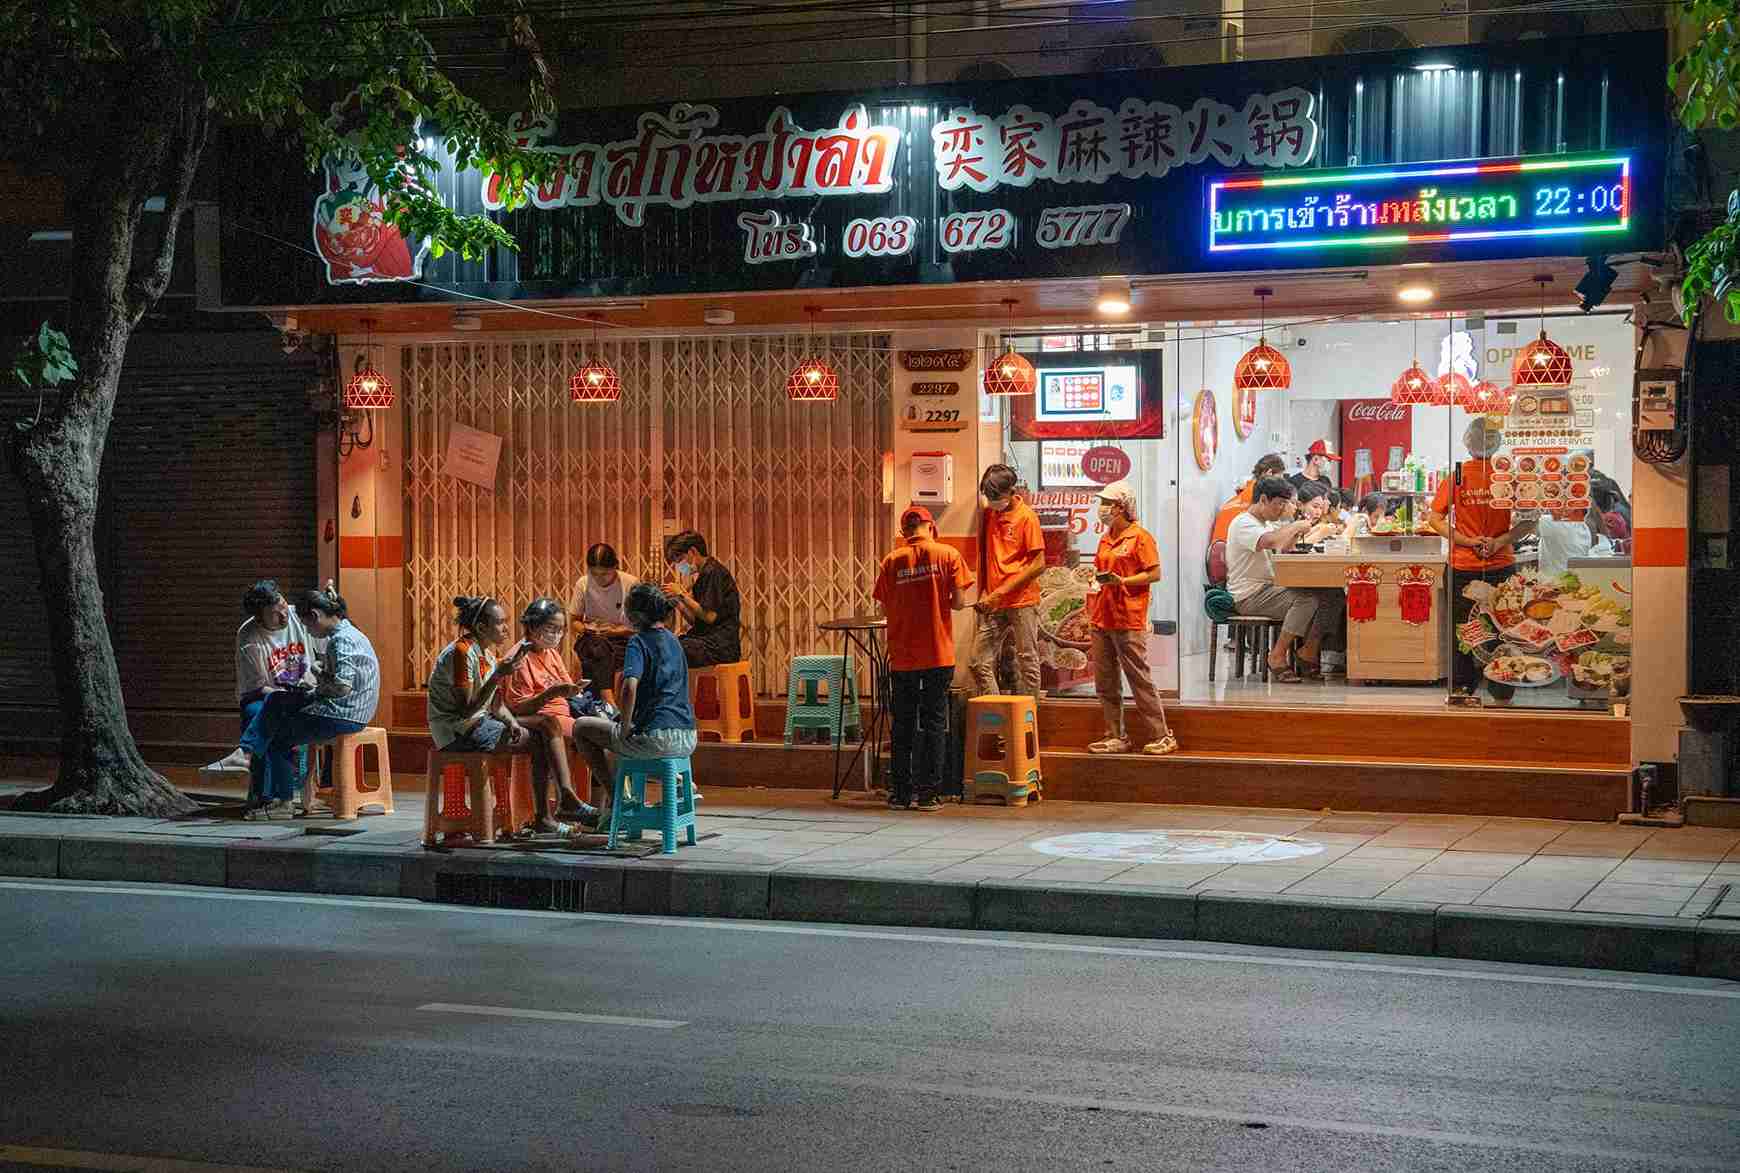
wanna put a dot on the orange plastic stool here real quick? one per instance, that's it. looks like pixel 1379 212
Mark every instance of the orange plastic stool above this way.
pixel 347 795
pixel 723 701
pixel 474 813
pixel 1002 748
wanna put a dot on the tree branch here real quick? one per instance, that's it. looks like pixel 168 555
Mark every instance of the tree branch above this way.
pixel 148 281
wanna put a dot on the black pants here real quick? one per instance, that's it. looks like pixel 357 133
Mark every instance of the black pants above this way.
pixel 920 704
pixel 601 658
pixel 1465 671
pixel 703 651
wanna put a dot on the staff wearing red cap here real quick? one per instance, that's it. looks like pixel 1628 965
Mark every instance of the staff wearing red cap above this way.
pixel 919 587
pixel 1318 458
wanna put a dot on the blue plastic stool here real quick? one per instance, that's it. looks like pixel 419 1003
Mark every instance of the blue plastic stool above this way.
pixel 630 813
pixel 835 715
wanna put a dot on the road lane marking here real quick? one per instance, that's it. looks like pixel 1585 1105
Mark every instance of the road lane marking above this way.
pixel 1649 1159
pixel 118 1162
pixel 551 1015
pixel 1718 989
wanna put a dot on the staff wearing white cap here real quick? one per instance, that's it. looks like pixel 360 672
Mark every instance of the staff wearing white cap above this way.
pixel 1126 565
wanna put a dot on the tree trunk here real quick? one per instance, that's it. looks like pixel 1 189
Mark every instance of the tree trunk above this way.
pixel 101 770
pixel 153 144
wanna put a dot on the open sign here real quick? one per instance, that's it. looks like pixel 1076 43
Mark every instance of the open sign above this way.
pixel 1105 464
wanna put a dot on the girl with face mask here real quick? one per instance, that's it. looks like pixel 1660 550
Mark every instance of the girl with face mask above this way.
pixel 537 692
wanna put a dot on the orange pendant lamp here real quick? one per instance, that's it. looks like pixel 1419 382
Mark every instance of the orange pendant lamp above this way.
pixel 1542 365
pixel 1488 398
pixel 368 389
pixel 1414 387
pixel 1262 367
pixel 594 382
pixel 814 379
pixel 1010 373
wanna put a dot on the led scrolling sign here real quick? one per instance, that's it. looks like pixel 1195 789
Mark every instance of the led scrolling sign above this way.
pixel 1425 204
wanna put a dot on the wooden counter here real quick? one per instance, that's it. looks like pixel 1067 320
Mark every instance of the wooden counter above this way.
pixel 1387 647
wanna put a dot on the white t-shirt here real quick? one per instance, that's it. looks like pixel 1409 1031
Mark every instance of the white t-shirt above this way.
pixel 1248 569
pixel 268 659
pixel 603 605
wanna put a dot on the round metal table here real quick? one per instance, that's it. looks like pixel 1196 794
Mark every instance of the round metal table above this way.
pixel 862 635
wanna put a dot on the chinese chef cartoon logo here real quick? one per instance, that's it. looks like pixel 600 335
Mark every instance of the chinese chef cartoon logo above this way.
pixel 350 225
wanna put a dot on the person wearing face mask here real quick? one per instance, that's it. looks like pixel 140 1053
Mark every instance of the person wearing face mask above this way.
pixel 466 714
pixel 1011 558
pixel 709 602
pixel 1126 566
pixel 537 692
pixel 597 609
pixel 342 698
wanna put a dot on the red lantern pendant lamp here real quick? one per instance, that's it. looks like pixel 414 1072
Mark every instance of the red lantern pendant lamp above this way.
pixel 368 389
pixel 1263 368
pixel 1542 365
pixel 1488 398
pixel 1010 373
pixel 1414 387
pixel 594 382
pixel 813 380
pixel 1453 388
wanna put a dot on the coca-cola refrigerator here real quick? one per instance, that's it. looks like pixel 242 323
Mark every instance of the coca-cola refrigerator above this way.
pixel 1376 436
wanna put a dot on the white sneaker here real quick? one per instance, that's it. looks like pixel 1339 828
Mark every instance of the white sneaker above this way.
pixel 1111 745
pixel 236 761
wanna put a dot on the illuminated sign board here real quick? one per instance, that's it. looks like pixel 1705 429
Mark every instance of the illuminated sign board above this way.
pixel 1433 203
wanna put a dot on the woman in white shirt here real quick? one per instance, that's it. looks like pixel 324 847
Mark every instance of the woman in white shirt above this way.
pixel 598 609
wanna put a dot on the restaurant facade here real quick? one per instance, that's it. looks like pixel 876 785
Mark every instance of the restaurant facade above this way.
pixel 772 321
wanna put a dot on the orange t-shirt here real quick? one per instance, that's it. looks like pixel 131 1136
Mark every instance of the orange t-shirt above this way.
pixel 916 588
pixel 1473 517
pixel 1012 538
pixel 1223 520
pixel 541 669
pixel 1122 608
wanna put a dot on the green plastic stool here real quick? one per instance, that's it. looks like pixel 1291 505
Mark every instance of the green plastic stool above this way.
pixel 805 708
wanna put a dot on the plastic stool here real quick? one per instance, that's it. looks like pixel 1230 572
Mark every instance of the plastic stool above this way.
pixel 837 713
pixel 630 813
pixel 723 701
pixel 476 772
pixel 1003 740
pixel 995 786
pixel 347 795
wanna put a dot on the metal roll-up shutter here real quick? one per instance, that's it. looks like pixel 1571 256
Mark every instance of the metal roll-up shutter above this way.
pixel 209 478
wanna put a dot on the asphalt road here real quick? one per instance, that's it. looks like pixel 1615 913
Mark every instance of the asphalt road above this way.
pixel 284 1032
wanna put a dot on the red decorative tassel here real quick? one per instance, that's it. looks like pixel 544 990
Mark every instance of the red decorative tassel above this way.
pixel 1362 594
pixel 1414 598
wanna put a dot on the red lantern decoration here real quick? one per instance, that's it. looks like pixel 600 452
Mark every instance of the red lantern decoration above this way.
pixel 1262 368
pixel 813 380
pixel 1542 365
pixel 1414 594
pixel 368 390
pixel 1362 592
pixel 1010 374
pixel 1453 388
pixel 1488 398
pixel 595 382
pixel 1414 387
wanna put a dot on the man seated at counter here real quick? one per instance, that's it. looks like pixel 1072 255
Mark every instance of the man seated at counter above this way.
pixel 1308 616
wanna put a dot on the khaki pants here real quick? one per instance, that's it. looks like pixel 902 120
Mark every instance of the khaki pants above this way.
pixel 1126 651
pixel 994 629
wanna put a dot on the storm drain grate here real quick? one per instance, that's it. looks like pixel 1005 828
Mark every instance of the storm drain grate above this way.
pixel 533 892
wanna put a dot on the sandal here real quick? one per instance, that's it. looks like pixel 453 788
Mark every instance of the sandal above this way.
pixel 1284 676
pixel 1310 669
pixel 1162 746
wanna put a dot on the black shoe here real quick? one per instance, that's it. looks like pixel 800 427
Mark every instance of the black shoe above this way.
pixel 896 803
pixel 927 803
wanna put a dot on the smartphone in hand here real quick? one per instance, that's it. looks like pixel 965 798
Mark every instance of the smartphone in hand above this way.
pixel 1105 576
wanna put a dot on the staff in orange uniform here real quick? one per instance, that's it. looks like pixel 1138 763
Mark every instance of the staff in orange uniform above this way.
pixel 1126 566
pixel 919 587
pixel 1011 557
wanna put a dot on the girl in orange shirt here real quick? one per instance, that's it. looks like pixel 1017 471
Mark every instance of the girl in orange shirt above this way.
pixel 538 693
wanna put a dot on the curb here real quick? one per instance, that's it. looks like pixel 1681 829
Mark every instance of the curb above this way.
pixel 662 886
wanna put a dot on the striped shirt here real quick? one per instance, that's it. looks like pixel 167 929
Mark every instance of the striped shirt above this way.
pixel 349 677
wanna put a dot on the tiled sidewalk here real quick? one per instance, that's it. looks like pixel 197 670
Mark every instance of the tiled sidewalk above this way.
pixel 1435 859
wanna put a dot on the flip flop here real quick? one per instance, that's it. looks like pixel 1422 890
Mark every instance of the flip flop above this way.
pixel 1310 669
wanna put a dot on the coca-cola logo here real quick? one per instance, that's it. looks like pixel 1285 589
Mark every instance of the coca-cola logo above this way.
pixel 1105 464
pixel 1378 412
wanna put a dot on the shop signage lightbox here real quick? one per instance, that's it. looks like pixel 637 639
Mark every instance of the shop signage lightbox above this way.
pixel 1212 167
pixel 1369 207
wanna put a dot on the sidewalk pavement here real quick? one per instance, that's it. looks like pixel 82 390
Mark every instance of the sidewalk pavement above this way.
pixel 1497 889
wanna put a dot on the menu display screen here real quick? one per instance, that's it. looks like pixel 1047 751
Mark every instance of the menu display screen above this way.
pixel 1434 203
pixel 1095 393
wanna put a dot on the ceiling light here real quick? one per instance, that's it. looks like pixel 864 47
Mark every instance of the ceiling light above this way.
pixel 1434 67
pixel 1114 296
pixel 1415 294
